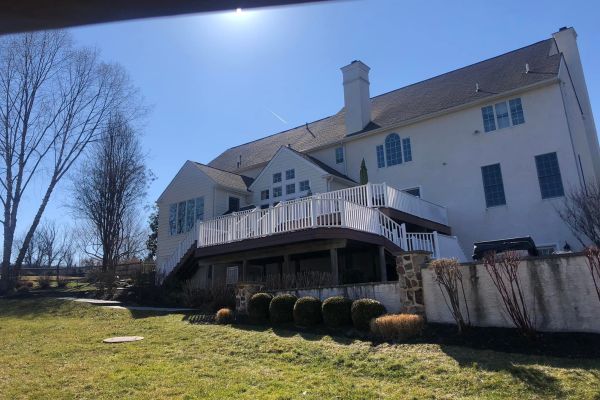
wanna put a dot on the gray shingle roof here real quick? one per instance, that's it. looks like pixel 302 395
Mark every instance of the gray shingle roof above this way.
pixel 226 178
pixel 495 75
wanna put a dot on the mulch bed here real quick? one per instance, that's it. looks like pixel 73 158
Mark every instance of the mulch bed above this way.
pixel 570 345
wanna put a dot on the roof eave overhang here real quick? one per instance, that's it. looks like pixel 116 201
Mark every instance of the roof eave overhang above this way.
pixel 537 85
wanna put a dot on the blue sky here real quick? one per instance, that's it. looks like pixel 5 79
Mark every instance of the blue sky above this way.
pixel 218 80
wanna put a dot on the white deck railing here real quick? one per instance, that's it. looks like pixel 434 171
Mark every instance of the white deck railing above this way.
pixel 351 208
pixel 382 195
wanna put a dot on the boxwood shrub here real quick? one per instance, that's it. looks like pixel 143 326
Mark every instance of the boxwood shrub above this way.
pixel 307 311
pixel 281 309
pixel 336 311
pixel 258 307
pixel 364 310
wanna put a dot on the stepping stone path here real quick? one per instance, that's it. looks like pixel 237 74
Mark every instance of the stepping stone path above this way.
pixel 123 339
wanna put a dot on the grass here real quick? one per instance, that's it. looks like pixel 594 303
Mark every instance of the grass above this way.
pixel 51 348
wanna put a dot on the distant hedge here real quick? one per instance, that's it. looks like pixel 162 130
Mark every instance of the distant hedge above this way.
pixel 364 310
pixel 281 309
pixel 336 312
pixel 307 311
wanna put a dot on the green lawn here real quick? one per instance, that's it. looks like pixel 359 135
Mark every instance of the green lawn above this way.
pixel 52 349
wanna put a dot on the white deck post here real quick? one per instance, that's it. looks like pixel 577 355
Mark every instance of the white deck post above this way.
pixel 313 212
pixel 404 239
pixel 385 195
pixel 436 245
pixel 369 195
pixel 342 204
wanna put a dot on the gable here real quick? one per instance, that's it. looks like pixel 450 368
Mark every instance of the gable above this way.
pixel 189 182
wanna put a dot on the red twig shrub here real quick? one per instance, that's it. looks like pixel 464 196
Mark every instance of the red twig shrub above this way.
pixel 504 272
pixel 397 326
pixel 448 276
pixel 593 258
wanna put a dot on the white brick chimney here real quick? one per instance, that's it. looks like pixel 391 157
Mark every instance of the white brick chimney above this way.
pixel 357 100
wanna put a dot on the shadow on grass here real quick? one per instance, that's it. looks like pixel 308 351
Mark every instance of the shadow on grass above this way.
pixel 535 379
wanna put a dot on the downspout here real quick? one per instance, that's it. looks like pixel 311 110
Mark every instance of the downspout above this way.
pixel 577 165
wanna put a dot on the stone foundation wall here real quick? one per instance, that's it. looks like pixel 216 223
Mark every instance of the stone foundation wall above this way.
pixel 409 266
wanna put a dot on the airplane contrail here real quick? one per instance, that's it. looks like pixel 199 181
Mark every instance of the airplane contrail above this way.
pixel 277 116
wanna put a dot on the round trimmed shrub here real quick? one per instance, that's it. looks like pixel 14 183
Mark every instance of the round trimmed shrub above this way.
pixel 281 309
pixel 307 311
pixel 336 311
pixel 364 310
pixel 258 307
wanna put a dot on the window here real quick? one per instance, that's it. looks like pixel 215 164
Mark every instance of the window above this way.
pixel 232 275
pixel 264 195
pixel 493 185
pixel 189 215
pixel 277 192
pixel 234 204
pixel 339 155
pixel 406 150
pixel 414 191
pixel 380 157
pixel 181 217
pixel 546 250
pixel 393 150
pixel 549 175
pixel 291 188
pixel 502 115
pixel 290 174
pixel 200 209
pixel 304 186
pixel 501 119
pixel 173 219
pixel 488 119
pixel 516 111
pixel 277 177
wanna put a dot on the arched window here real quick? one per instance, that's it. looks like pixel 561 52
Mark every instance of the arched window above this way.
pixel 393 149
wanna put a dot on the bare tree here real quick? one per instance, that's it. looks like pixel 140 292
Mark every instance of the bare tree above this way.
pixel 581 212
pixel 448 276
pixel 504 272
pixel 54 99
pixel 108 189
pixel 593 258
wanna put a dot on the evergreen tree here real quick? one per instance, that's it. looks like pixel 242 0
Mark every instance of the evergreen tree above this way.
pixel 364 175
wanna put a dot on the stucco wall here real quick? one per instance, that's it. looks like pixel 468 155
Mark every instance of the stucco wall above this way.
pixel 448 156
pixel 387 293
pixel 558 290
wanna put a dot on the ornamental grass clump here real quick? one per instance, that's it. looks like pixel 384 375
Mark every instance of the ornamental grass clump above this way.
pixel 307 312
pixel 281 309
pixel 224 316
pixel 336 312
pixel 363 311
pixel 397 326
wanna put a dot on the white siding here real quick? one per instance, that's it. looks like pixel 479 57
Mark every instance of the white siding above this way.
pixel 286 159
pixel 188 184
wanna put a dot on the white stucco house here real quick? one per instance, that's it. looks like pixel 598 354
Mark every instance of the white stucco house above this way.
pixel 484 152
